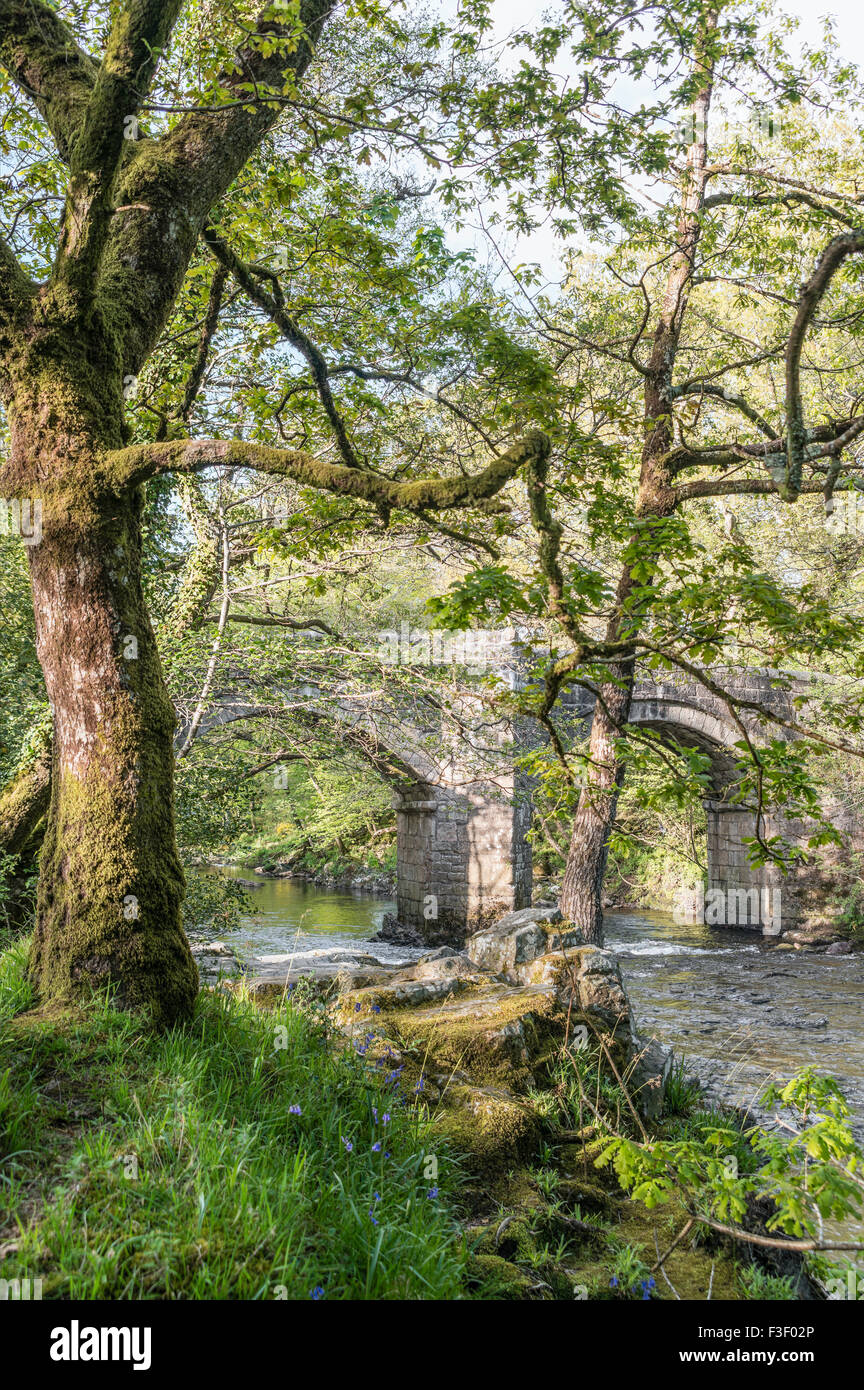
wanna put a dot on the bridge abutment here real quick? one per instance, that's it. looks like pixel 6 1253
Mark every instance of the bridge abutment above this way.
pixel 462 859
pixel 737 894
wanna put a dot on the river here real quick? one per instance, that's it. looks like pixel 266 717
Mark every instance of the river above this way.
pixel 742 1009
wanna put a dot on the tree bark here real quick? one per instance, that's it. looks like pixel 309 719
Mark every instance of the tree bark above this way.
pixel 24 802
pixel 23 806
pixel 111 885
pixel 582 887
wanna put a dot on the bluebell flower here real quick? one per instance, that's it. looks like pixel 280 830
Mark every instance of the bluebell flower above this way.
pixel 376 1147
pixel 294 1110
pixel 613 1282
pixel 317 1292
pixel 376 1008
pixel 433 1192
pixel 348 1145
pixel 385 1119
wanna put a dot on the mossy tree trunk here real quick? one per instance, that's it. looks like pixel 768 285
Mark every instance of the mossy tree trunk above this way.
pixel 24 805
pixel 110 887
pixel 110 884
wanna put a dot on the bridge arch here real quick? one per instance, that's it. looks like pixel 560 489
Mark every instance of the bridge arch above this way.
pixel 463 813
pixel 737 893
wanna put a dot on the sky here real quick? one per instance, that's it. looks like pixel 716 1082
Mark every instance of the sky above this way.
pixel 509 15
pixel 850 17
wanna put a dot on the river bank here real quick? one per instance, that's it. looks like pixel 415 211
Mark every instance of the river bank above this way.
pixel 652 943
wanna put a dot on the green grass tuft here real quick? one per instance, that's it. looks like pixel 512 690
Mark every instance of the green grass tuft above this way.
pixel 135 1165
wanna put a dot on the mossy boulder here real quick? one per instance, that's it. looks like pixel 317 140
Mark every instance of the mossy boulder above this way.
pixel 511 1239
pixel 493 1277
pixel 586 980
pixel 650 1068
pixel 500 1036
pixel 520 937
pixel 405 987
pixel 490 1127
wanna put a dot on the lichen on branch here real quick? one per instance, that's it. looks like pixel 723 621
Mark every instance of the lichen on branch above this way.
pixel 124 468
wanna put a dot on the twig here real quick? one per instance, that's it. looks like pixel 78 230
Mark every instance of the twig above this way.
pixel 659 1265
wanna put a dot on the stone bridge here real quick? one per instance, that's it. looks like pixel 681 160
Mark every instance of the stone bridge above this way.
pixel 463 809
pixel 681 711
pixel 463 855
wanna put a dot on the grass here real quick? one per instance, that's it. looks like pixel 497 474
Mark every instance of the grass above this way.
pixel 176 1166
pixel 683 1092
pixel 760 1287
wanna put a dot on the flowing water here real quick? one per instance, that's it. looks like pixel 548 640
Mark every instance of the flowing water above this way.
pixel 744 1009
pixel 292 917
pixel 740 1008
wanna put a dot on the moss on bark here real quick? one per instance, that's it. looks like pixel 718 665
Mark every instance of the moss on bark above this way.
pixel 111 886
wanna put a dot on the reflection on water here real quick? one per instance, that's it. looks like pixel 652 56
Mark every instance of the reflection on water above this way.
pixel 741 1009
pixel 291 916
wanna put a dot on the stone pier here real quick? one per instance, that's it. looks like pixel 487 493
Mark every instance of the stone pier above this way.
pixel 463 858
pixel 737 894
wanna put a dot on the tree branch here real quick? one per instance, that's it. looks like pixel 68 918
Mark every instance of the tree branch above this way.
pixel 138 35
pixel 768 199
pixel 15 286
pixel 294 624
pixel 835 253
pixel 125 468
pixel 39 52
pixel 166 192
pixel 208 330
pixel 704 388
pixel 274 307
pixel 743 487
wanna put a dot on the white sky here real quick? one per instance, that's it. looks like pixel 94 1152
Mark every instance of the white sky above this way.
pixel 850 17
pixel 516 14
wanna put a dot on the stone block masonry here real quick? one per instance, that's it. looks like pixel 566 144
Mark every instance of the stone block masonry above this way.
pixel 462 855
pixel 463 858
